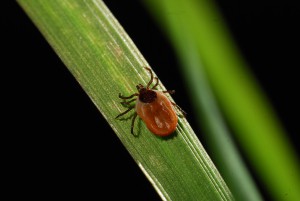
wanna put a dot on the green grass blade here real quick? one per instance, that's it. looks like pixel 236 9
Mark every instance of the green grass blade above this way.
pixel 205 47
pixel 104 60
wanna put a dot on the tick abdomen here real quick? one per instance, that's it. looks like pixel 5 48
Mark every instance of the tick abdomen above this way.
pixel 158 115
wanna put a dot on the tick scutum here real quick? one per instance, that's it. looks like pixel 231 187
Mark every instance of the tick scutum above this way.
pixel 147 95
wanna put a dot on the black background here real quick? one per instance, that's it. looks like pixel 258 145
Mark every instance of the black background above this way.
pixel 59 144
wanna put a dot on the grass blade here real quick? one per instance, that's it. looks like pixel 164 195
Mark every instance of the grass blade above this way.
pixel 104 60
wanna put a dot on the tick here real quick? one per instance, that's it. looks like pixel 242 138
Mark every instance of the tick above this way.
pixel 153 107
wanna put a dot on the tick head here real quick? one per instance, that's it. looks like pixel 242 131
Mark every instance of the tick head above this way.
pixel 146 95
pixel 140 87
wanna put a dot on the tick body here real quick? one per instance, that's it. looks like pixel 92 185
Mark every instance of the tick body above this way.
pixel 159 115
pixel 154 108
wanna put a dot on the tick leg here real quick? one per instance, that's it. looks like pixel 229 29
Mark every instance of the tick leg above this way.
pixel 127 102
pixel 151 79
pixel 124 112
pixel 179 108
pixel 132 124
pixel 157 82
pixel 128 97
pixel 170 92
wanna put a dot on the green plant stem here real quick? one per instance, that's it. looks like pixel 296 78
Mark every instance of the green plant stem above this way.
pixel 105 62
